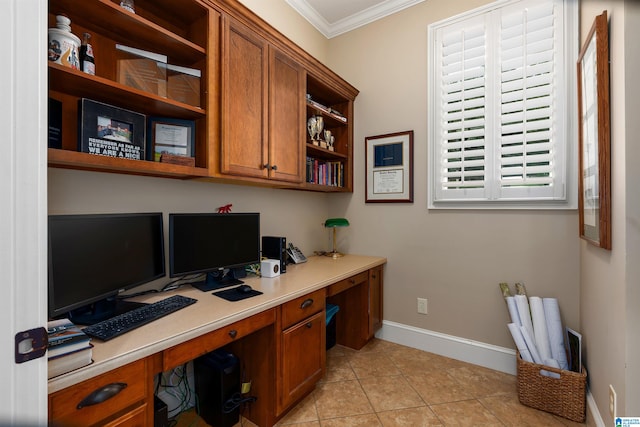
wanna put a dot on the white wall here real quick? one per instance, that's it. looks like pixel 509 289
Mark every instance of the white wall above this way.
pixel 295 214
pixel 609 288
pixel 455 259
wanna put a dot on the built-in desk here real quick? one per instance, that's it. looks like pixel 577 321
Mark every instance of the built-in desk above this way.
pixel 256 329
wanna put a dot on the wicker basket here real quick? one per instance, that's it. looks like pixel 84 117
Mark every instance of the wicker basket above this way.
pixel 565 396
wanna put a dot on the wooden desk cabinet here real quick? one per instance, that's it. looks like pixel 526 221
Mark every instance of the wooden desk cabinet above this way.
pixel 300 348
pixel 124 396
pixel 281 349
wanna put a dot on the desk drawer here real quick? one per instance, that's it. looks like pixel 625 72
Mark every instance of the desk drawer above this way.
pixel 63 405
pixel 183 353
pixel 345 284
pixel 303 307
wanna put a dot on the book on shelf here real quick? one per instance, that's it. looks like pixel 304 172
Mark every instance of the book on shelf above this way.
pixel 68 362
pixel 322 172
pixel 327 110
pixel 65 337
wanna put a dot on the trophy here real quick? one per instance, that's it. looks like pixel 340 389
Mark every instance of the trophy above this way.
pixel 327 139
pixel 315 125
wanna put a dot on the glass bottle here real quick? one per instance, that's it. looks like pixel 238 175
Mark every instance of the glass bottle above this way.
pixel 87 60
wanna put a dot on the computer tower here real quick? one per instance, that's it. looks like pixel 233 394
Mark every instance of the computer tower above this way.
pixel 276 248
pixel 217 378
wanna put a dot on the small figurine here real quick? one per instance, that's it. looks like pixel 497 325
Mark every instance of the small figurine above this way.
pixel 225 208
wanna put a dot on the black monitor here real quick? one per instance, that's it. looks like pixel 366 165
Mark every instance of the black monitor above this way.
pixel 94 257
pixel 213 243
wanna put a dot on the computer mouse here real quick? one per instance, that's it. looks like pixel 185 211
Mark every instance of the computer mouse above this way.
pixel 244 289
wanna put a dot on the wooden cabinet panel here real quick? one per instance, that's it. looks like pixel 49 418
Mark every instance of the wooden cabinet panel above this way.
pixel 286 116
pixel 244 101
pixel 263 108
pixel 134 418
pixel 182 353
pixel 345 284
pixel 375 300
pixel 131 379
pixel 302 359
pixel 302 307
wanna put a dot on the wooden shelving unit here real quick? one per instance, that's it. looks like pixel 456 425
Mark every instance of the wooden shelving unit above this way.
pixel 180 33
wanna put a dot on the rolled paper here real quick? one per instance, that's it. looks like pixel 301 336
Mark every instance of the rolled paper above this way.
pixel 556 332
pixel 521 345
pixel 554 364
pixel 525 314
pixel 531 345
pixel 513 311
pixel 540 333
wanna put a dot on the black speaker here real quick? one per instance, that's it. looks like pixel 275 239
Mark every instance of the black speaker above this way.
pixel 276 248
pixel 217 378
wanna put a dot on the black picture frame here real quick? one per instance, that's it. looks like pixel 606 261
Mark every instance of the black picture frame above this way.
pixel 106 130
pixel 172 136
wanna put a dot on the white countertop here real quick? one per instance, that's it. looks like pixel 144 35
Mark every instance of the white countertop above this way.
pixel 212 312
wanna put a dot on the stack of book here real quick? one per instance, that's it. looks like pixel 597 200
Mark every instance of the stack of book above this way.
pixel 69 348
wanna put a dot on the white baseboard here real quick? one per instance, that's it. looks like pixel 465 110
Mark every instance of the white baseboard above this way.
pixel 490 356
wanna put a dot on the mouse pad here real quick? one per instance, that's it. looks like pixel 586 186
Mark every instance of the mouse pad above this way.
pixel 234 295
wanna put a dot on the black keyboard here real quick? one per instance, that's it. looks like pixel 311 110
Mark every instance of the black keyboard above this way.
pixel 118 325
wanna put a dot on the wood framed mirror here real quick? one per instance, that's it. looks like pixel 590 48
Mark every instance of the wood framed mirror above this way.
pixel 594 136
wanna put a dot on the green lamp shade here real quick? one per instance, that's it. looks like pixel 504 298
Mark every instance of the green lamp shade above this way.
pixel 336 222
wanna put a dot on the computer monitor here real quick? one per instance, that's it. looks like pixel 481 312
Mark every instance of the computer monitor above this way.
pixel 213 243
pixel 94 257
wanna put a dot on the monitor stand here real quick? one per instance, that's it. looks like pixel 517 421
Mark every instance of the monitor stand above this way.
pixel 102 310
pixel 218 279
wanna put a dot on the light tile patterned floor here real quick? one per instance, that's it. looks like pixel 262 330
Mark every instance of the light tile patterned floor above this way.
pixel 390 385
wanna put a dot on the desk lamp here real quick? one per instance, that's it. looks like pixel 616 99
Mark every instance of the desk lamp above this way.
pixel 335 223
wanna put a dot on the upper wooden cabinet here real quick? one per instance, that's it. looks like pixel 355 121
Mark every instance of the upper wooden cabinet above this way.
pixel 262 108
pixel 184 33
pixel 257 91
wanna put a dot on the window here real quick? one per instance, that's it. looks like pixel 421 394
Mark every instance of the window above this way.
pixel 501 107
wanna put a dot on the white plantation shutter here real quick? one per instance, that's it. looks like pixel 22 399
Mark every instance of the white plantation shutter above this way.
pixel 463 99
pixel 498 110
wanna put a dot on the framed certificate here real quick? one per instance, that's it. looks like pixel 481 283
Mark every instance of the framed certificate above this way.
pixel 389 168
pixel 171 137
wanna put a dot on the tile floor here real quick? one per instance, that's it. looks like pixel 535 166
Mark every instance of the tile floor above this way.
pixel 389 385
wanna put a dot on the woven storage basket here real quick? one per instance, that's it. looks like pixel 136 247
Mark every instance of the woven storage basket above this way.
pixel 565 396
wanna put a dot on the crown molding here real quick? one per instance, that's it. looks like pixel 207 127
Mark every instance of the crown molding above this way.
pixel 330 30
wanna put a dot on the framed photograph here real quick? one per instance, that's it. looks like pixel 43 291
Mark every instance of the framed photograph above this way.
pixel 594 181
pixel 389 168
pixel 171 138
pixel 110 131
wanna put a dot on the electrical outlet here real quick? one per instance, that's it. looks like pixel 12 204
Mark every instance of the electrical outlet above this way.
pixel 422 305
pixel 612 402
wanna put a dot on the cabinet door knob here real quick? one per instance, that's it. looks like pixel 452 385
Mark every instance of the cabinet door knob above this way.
pixel 274 167
pixel 309 325
pixel 266 166
pixel 233 333
pixel 352 281
pixel 306 303
pixel 102 394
